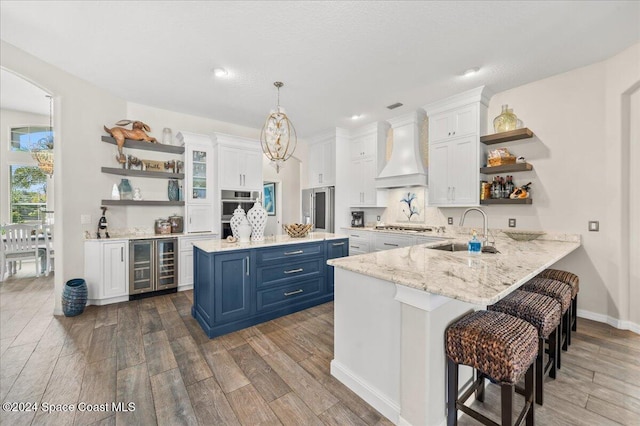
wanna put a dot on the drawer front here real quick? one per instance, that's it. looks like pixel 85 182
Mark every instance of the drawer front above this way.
pixel 186 243
pixel 358 247
pixel 361 237
pixel 290 294
pixel 388 242
pixel 279 274
pixel 289 253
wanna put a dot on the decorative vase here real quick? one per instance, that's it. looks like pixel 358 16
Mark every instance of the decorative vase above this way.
pixel 74 297
pixel 244 230
pixel 173 190
pixel 167 136
pixel 257 216
pixel 238 216
pixel 115 192
pixel 137 196
pixel 505 121
pixel 126 193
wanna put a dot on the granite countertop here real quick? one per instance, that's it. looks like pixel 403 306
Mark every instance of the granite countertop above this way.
pixel 126 236
pixel 213 246
pixel 481 279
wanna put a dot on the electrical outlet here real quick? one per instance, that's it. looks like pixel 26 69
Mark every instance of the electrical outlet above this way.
pixel 378 218
pixel 450 220
pixel 512 222
pixel 594 225
pixel 85 219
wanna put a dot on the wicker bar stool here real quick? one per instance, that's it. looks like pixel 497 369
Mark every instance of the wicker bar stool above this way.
pixel 500 347
pixel 545 314
pixel 560 292
pixel 574 281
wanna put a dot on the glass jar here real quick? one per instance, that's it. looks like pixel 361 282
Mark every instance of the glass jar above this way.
pixel 167 136
pixel 126 192
pixel 506 121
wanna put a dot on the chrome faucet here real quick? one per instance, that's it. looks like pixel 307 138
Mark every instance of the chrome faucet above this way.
pixel 485 226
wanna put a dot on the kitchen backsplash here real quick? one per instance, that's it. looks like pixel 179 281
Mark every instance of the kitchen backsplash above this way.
pixel 409 205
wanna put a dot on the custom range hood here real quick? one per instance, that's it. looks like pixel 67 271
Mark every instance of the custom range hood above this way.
pixel 405 166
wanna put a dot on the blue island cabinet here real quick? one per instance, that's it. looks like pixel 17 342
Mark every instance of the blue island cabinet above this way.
pixel 234 289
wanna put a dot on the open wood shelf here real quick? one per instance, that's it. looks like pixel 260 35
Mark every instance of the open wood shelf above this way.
pixel 506 201
pixel 142 173
pixel 146 146
pixel 518 167
pixel 141 203
pixel 512 135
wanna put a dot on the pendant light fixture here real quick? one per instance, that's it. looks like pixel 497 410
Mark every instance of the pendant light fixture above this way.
pixel 43 153
pixel 278 137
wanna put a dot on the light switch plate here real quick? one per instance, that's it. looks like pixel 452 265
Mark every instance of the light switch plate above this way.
pixel 512 222
pixel 450 220
pixel 594 225
pixel 85 219
pixel 378 218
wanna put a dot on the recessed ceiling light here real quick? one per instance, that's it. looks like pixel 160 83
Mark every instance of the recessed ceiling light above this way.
pixel 471 71
pixel 219 72
pixel 356 116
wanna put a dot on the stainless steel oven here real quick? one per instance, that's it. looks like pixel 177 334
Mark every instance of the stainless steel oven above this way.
pixel 230 202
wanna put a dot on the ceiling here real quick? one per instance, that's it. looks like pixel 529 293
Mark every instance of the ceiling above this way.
pixel 336 59
pixel 20 95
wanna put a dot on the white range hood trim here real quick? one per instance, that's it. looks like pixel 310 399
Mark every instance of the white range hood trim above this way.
pixel 405 166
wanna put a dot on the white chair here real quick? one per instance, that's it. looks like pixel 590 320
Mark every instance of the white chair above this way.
pixel 47 230
pixel 21 243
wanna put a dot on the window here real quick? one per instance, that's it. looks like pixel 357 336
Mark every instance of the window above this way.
pixel 26 138
pixel 28 193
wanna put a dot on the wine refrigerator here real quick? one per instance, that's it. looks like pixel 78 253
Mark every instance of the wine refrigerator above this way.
pixel 153 265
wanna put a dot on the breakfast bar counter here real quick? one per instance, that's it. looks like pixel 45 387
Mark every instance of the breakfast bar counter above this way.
pixel 391 310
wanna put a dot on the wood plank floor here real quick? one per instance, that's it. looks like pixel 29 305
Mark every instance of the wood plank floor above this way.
pixel 151 352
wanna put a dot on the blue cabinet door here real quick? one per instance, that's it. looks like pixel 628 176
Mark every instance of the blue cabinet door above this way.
pixel 233 274
pixel 335 249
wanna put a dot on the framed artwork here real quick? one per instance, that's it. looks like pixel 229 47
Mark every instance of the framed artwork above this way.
pixel 270 198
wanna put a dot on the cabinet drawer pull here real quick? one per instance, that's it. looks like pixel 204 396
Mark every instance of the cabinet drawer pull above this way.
pixel 356 247
pixel 389 244
pixel 355 235
pixel 291 293
pixel 338 244
pixel 293 271
pixel 289 253
pixel 247 265
pixel 121 254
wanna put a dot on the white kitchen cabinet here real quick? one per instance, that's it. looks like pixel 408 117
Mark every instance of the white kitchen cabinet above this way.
pixel 384 241
pixel 185 277
pixel 452 124
pixel 359 241
pixel 322 163
pixel 106 267
pixel 240 169
pixel 200 195
pixel 367 160
pixel 455 126
pixel 239 163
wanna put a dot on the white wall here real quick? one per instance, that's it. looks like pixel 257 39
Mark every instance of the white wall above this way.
pixel 578 175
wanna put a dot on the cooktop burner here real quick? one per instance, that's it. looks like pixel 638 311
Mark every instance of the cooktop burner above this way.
pixel 403 228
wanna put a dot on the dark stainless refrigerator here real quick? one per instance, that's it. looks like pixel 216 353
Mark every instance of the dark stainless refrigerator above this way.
pixel 318 208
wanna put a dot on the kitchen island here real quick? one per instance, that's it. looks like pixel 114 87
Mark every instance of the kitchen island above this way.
pixel 237 285
pixel 391 309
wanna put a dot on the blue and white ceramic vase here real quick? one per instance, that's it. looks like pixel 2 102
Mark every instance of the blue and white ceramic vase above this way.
pixel 238 216
pixel 257 216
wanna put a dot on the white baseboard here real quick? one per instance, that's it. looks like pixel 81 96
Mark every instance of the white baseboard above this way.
pixel 384 405
pixel 614 322
pixel 185 287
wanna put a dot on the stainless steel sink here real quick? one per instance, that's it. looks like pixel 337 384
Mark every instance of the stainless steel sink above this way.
pixel 451 247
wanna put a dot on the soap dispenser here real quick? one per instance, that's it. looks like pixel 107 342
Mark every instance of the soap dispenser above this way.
pixel 475 246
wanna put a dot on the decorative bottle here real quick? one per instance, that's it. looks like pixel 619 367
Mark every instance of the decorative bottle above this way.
pixel 505 121
pixel 238 216
pixel 126 192
pixel 257 216
pixel 173 190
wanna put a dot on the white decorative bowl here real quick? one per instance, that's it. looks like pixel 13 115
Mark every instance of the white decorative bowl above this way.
pixel 523 235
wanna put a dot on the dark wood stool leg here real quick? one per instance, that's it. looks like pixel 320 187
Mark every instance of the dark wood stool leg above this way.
pixel 558 351
pixel 570 318
pixel 529 386
pixel 566 323
pixel 540 369
pixel 574 307
pixel 480 390
pixel 452 393
pixel 554 351
pixel 506 392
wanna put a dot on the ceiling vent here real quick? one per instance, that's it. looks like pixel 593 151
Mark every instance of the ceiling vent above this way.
pixel 394 106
